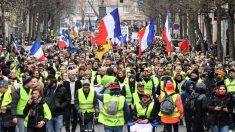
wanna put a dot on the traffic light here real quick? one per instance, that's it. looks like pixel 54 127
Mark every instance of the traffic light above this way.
pixel 121 1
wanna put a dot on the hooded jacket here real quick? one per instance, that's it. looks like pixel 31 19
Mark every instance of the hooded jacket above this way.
pixel 186 92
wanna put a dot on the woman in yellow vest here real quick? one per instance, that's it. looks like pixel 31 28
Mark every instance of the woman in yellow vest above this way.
pixel 37 112
pixel 87 105
pixel 145 111
pixel 173 119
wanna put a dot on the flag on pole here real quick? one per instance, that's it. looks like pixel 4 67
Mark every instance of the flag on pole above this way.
pixel 109 27
pixel 75 31
pixel 36 50
pixel 102 49
pixel 17 47
pixel 63 40
pixel 90 26
pixel 146 36
pixel 166 36
pixel 184 46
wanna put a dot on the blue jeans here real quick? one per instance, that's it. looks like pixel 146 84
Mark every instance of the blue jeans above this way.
pixel 113 128
pixel 86 126
pixel 55 124
pixel 20 125
pixel 216 128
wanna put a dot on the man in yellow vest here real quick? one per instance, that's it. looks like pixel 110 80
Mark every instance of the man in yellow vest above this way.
pixel 145 111
pixel 115 109
pixel 6 123
pixel 19 100
pixel 137 96
pixel 87 104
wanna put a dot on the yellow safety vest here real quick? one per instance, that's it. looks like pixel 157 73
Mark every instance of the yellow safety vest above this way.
pixel 144 111
pixel 46 112
pixel 176 112
pixel 99 79
pixel 7 98
pixel 230 84
pixel 136 98
pixel 148 86
pixel 86 104
pixel 24 97
pixel 112 120
pixel 128 93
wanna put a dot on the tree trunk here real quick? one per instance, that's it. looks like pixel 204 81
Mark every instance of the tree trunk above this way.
pixel 231 32
pixel 3 26
pixel 181 26
pixel 34 25
pixel 30 26
pixel 39 26
pixel 219 42
pixel 208 29
pixel 199 33
pixel 192 37
pixel 158 26
pixel 45 28
pixel 185 25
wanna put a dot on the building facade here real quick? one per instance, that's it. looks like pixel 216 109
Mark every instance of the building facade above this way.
pixel 129 11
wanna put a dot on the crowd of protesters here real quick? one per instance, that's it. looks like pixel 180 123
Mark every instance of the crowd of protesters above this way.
pixel 65 89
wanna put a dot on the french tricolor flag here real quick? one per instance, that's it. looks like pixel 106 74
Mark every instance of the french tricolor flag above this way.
pixel 109 27
pixel 63 41
pixel 36 50
pixel 75 32
pixel 166 36
pixel 146 36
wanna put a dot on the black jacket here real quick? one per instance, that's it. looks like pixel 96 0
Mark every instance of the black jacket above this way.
pixel 57 99
pixel 78 85
pixel 200 109
pixel 6 118
pixel 36 113
pixel 219 117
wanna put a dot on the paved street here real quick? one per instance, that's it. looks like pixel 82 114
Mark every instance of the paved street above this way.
pixel 99 128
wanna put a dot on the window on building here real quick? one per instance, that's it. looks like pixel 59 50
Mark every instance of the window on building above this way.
pixel 125 9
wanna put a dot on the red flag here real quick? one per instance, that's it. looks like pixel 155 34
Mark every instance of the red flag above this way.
pixel 184 46
pixel 92 39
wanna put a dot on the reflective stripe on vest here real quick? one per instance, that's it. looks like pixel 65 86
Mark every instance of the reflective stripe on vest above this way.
pixel 142 111
pixel 112 120
pixel 24 97
pixel 136 98
pixel 230 85
pixel 7 98
pixel 176 112
pixel 86 104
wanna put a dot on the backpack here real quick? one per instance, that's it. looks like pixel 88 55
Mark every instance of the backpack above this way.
pixel 167 106
pixel 112 107
pixel 190 101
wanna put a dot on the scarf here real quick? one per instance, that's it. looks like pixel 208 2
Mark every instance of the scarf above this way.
pixel 222 96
